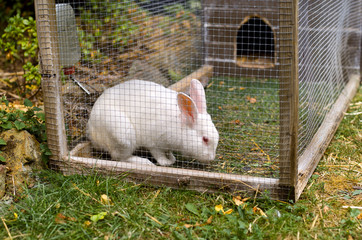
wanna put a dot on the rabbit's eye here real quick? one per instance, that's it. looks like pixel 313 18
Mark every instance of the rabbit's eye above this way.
pixel 205 139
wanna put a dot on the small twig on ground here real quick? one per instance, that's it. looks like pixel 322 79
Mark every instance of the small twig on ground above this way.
pixel 261 150
pixel 353 207
pixel 84 193
pixel 10 94
pixel 314 221
pixel 256 193
pixel 6 227
pixel 154 197
pixel 9 74
pixel 153 219
pixel 353 113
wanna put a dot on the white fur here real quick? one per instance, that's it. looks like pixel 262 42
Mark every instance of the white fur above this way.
pixel 144 114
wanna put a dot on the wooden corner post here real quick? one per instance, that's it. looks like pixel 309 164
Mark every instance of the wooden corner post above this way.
pixel 288 96
pixel 50 72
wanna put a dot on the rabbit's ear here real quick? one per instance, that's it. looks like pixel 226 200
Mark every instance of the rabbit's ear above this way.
pixel 197 93
pixel 188 109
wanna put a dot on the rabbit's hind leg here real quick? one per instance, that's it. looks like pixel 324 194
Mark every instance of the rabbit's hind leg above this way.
pixel 125 154
pixel 123 143
pixel 161 157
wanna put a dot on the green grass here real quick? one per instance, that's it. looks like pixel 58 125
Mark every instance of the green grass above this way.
pixel 62 207
pixel 246 114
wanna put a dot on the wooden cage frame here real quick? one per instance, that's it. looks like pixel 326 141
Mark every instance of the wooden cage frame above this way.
pixel 293 175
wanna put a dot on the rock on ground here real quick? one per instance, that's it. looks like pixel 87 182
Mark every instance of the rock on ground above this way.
pixel 23 155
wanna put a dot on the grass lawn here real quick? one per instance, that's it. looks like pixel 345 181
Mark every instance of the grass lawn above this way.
pixel 95 207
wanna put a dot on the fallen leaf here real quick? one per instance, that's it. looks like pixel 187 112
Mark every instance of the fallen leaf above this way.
pixel 359 217
pixel 228 211
pixel 237 200
pixel 106 200
pixel 237 122
pixel 60 218
pixel 241 88
pixel 258 211
pixel 231 89
pixel 87 223
pixel 208 221
pixel 251 99
pixel 219 208
pixel 97 217
pixel 191 225
pixel 188 225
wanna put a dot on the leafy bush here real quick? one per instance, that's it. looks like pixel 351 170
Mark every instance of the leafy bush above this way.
pixel 13 7
pixel 19 44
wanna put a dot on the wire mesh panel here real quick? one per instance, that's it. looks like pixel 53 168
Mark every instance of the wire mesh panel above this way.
pixel 329 39
pixel 329 60
pixel 117 78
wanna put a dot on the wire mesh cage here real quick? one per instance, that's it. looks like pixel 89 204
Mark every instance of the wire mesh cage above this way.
pixel 273 80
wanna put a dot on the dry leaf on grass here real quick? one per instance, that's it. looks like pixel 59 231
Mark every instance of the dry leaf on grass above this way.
pixel 251 99
pixel 239 201
pixel 208 221
pixel 61 218
pixel 258 211
pixel 106 200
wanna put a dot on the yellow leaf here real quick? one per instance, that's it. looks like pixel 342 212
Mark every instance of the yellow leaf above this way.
pixel 231 89
pixel 228 211
pixel 219 208
pixel 258 211
pixel 15 218
pixel 359 217
pixel 105 199
pixel 241 88
pixel 87 223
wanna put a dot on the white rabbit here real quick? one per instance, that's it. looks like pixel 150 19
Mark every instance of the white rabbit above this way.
pixel 144 114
